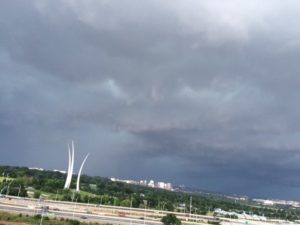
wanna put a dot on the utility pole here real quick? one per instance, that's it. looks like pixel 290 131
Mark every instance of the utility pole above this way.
pixel 101 199
pixel 114 205
pixel 19 191
pixel 130 210
pixel 74 208
pixel 7 191
pixel 88 205
pixel 145 203
pixel 56 195
pixel 191 199
pixel 42 216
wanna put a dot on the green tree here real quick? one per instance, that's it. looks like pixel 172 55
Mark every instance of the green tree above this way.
pixel 36 194
pixel 74 222
pixel 170 219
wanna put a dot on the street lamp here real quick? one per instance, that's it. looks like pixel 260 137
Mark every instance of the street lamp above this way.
pixel 145 204
pixel 191 199
pixel 56 195
pixel 73 195
pixel 130 210
pixel 101 199
pixel 19 191
pixel 195 215
pixel 42 216
pixel 7 191
pixel 74 208
pixel 88 204
pixel 114 204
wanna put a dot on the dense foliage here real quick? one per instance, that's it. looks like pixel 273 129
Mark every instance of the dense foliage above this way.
pixel 33 220
pixel 170 219
pixel 21 181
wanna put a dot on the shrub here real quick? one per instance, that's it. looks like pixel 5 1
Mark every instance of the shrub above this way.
pixel 74 222
pixel 170 219
pixel 38 216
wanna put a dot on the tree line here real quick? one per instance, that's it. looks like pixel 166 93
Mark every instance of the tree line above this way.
pixel 19 181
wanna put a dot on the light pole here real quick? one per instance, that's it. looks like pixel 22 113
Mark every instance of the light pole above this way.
pixel 163 206
pixel 7 191
pixel 195 215
pixel 88 201
pixel 19 191
pixel 114 205
pixel 130 210
pixel 94 200
pixel 42 216
pixel 73 196
pixel 101 199
pixel 191 199
pixel 74 208
pixel 145 203
pixel 56 195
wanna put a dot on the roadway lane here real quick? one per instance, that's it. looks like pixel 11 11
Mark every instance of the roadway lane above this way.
pixel 76 216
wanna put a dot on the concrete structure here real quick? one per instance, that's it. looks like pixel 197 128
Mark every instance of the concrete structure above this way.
pixel 79 173
pixel 151 183
pixel 70 167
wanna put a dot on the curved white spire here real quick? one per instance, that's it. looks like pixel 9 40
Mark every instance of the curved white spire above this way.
pixel 79 173
pixel 70 167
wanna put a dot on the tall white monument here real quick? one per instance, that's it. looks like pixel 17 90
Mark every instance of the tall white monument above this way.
pixel 70 167
pixel 79 173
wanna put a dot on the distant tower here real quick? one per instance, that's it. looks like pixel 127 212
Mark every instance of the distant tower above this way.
pixel 79 173
pixel 70 167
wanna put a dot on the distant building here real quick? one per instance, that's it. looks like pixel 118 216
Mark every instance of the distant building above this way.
pixel 161 185
pixel 36 168
pixel 151 183
pixel 143 182
pixel 60 171
pixel 169 186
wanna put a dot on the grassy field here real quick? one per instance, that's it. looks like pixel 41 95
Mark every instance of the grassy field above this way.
pixel 53 196
pixel 7 178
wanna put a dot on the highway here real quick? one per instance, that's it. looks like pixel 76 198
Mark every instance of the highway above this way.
pixel 102 213
pixel 78 211
pixel 92 211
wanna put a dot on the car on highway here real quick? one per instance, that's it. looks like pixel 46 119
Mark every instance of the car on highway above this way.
pixel 83 217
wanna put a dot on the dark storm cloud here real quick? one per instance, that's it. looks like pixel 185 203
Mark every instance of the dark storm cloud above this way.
pixel 200 92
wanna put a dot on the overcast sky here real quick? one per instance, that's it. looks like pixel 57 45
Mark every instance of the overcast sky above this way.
pixel 201 93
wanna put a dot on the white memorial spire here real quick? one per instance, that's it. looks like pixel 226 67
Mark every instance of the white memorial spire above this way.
pixel 79 173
